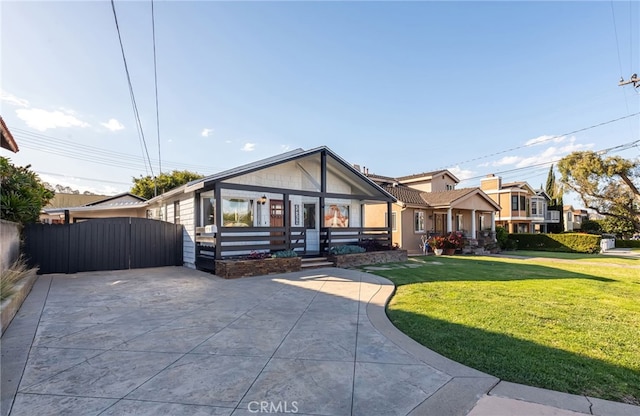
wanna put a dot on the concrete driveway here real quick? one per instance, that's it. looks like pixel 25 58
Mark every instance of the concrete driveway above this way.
pixel 175 341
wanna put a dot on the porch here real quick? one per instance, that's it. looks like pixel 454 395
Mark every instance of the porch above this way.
pixel 240 242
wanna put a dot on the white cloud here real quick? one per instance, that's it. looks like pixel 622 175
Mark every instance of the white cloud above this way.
pixel 507 160
pixel 13 100
pixel 285 147
pixel 248 147
pixel 206 132
pixel 113 125
pixel 553 153
pixel 544 139
pixel 228 141
pixel 43 120
pixel 460 173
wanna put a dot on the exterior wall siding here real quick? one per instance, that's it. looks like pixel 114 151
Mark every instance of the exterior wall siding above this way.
pixel 187 219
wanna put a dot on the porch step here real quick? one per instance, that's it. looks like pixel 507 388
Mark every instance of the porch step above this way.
pixel 315 262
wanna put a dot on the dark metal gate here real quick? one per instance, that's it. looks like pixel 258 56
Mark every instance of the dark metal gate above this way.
pixel 103 244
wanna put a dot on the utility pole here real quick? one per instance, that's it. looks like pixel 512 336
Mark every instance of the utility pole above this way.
pixel 633 80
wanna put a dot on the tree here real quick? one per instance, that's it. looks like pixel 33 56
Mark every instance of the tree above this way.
pixel 606 185
pixel 147 187
pixel 22 194
pixel 554 191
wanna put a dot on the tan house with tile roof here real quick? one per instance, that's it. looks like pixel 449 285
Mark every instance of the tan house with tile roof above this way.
pixel 514 199
pixel 428 204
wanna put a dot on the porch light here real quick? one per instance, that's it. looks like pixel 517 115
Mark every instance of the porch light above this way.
pixel 262 200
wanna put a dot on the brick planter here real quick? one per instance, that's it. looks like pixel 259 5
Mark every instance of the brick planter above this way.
pixel 374 257
pixel 232 269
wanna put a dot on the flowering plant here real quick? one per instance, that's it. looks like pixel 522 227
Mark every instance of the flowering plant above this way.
pixel 437 242
pixel 454 240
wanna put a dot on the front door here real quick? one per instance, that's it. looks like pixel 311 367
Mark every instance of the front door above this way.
pixel 441 223
pixel 312 229
pixel 276 219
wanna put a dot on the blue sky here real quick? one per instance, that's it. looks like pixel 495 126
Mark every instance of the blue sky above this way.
pixel 398 87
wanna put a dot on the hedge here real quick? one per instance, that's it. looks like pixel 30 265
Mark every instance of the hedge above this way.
pixel 627 243
pixel 570 243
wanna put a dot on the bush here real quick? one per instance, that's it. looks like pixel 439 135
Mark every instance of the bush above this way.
pixel 591 227
pixel 13 275
pixel 627 243
pixel 502 236
pixel 346 249
pixel 570 243
pixel 284 254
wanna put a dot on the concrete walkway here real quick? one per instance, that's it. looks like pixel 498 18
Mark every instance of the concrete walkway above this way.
pixel 175 341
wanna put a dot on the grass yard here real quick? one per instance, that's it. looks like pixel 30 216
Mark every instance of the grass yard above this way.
pixel 571 326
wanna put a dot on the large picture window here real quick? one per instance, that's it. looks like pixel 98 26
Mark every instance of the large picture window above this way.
pixel 236 212
pixel 336 216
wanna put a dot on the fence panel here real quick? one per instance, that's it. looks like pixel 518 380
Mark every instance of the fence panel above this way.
pixel 103 244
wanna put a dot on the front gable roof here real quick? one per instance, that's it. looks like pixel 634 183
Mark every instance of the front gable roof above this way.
pixel 445 199
pixel 519 185
pixel 335 164
pixel 427 176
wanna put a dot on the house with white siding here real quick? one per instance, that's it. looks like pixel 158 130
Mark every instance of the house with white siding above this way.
pixel 302 200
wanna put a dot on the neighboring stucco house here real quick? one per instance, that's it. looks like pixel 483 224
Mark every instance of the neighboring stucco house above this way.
pixel 66 208
pixel 514 199
pixel 305 200
pixel 429 204
pixel 574 217
pixel 541 215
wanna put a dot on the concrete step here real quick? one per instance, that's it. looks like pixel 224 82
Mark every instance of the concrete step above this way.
pixel 313 262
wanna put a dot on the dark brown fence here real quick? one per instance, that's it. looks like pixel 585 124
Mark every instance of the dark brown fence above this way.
pixel 103 244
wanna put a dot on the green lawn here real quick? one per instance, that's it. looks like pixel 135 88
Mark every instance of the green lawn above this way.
pixel 572 326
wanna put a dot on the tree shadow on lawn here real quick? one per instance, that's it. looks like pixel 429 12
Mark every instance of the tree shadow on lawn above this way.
pixel 470 269
pixel 521 361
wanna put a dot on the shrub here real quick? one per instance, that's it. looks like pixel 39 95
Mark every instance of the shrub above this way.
pixel 591 227
pixel 570 242
pixel 502 236
pixel 13 275
pixel 346 249
pixel 627 243
pixel 284 254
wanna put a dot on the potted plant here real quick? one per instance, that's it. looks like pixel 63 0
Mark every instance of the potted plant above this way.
pixel 454 241
pixel 437 243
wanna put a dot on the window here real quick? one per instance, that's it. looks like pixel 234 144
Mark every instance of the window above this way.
pixel 514 202
pixel 418 221
pixel 449 187
pixel 523 203
pixel 309 213
pixel 176 212
pixel 236 212
pixel 208 205
pixel 393 221
pixel 336 216
pixel 481 225
pixel 459 222
pixel 534 207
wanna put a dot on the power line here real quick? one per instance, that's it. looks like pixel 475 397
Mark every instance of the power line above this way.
pixel 40 172
pixel 80 151
pixel 155 73
pixel 621 147
pixel 540 141
pixel 133 98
